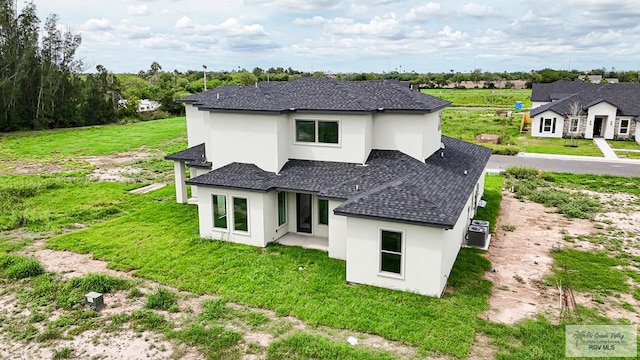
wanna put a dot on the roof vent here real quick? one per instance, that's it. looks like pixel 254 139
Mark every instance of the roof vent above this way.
pixel 217 96
pixel 442 154
pixel 465 172
pixel 357 187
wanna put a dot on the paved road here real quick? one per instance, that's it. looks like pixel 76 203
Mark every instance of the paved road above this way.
pixel 570 164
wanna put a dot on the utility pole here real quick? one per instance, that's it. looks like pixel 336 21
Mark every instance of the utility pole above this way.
pixel 204 68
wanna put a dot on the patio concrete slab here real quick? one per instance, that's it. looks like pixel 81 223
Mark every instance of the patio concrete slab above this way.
pixel 305 241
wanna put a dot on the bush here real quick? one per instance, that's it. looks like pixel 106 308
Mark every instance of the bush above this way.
pixel 162 299
pixel 20 267
pixel 521 172
pixel 98 282
pixel 505 150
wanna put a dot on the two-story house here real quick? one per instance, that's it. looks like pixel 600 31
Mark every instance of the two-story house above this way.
pixel 361 165
pixel 585 110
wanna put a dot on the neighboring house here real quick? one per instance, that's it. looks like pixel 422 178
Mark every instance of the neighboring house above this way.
pixel 584 110
pixel 147 105
pixel 361 166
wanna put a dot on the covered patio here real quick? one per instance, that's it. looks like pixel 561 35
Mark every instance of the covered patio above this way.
pixel 304 241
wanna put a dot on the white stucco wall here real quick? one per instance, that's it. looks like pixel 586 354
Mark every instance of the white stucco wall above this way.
pixel 416 135
pixel 245 138
pixel 352 141
pixel 337 233
pixel 421 260
pixel 256 218
pixel 198 129
pixel 535 125
pixel 603 109
pixel 535 104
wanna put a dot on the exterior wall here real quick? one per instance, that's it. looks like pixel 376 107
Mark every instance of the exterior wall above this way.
pixel 337 233
pixel 352 140
pixel 244 138
pixel 605 110
pixel 421 256
pixel 198 129
pixel 535 104
pixel 535 125
pixel 582 126
pixel 256 217
pixel 416 135
pixel 630 133
pixel 452 239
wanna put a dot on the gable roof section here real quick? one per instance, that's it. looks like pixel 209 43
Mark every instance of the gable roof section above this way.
pixel 316 94
pixel 625 97
pixel 559 89
pixel 391 185
pixel 194 156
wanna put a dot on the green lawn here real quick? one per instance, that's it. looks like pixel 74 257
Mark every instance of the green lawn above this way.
pixel 502 98
pixel 160 242
pixel 583 147
pixel 94 140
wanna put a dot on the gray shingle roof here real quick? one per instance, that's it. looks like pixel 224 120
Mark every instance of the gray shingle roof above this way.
pixel 559 89
pixel 391 186
pixel 317 94
pixel 625 97
pixel 194 156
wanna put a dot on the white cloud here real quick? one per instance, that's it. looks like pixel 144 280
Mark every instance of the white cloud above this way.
pixel 477 10
pixel 184 22
pixel 139 10
pixel 316 20
pixel 423 12
pixel 388 26
pixel 131 31
pixel 97 24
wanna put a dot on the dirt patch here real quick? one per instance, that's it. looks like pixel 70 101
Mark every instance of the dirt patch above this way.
pixel 521 259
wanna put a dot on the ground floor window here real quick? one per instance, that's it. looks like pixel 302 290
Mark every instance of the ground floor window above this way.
pixel 240 214
pixel 574 125
pixel 624 126
pixel 391 251
pixel 219 211
pixel 282 208
pixel 323 212
pixel 548 125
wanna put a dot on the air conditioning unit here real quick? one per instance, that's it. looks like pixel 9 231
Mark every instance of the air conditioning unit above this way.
pixel 482 223
pixel 477 236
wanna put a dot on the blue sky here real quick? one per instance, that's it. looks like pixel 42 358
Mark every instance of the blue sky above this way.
pixel 354 35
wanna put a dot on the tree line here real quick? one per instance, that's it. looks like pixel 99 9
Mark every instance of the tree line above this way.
pixel 41 81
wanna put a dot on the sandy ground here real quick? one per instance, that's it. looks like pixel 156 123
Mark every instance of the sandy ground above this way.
pixel 521 260
pixel 128 344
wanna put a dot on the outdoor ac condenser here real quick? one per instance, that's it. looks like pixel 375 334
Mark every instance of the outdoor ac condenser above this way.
pixel 482 223
pixel 477 236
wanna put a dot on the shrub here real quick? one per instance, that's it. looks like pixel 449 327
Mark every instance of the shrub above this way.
pixel 506 150
pixel 20 267
pixel 162 299
pixel 521 172
pixel 99 282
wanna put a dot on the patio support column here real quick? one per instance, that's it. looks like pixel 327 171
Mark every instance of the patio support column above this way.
pixel 194 189
pixel 180 178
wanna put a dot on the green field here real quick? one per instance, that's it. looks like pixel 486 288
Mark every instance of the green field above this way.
pixel 491 98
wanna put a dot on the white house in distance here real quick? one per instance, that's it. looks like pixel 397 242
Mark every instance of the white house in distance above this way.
pixel 361 166
pixel 581 109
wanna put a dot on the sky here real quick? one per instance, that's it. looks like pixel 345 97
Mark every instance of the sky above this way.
pixel 353 36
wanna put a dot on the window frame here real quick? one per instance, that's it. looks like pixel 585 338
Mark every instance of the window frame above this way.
pixel 248 223
pixel 402 253
pixel 572 128
pixel 316 141
pixel 320 215
pixel 544 125
pixel 626 128
pixel 284 208
pixel 215 209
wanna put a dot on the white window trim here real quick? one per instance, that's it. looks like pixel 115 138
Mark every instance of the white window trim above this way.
pixel 577 120
pixel 213 212
pixel 286 209
pixel 627 127
pixel 233 216
pixel 403 254
pixel 544 126
pixel 316 142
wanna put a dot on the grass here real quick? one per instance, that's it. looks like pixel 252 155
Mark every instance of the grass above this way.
pixel 584 147
pixel 626 144
pixel 91 141
pixel 302 346
pixel 502 98
pixel 162 299
pixel 19 267
pixel 588 271
pixel 493 196
pixel 629 155
pixel 161 243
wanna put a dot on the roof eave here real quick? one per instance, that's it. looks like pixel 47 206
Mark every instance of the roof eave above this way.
pixel 397 220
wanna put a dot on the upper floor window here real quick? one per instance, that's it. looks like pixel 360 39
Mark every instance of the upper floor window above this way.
pixel 317 131
pixel 624 126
